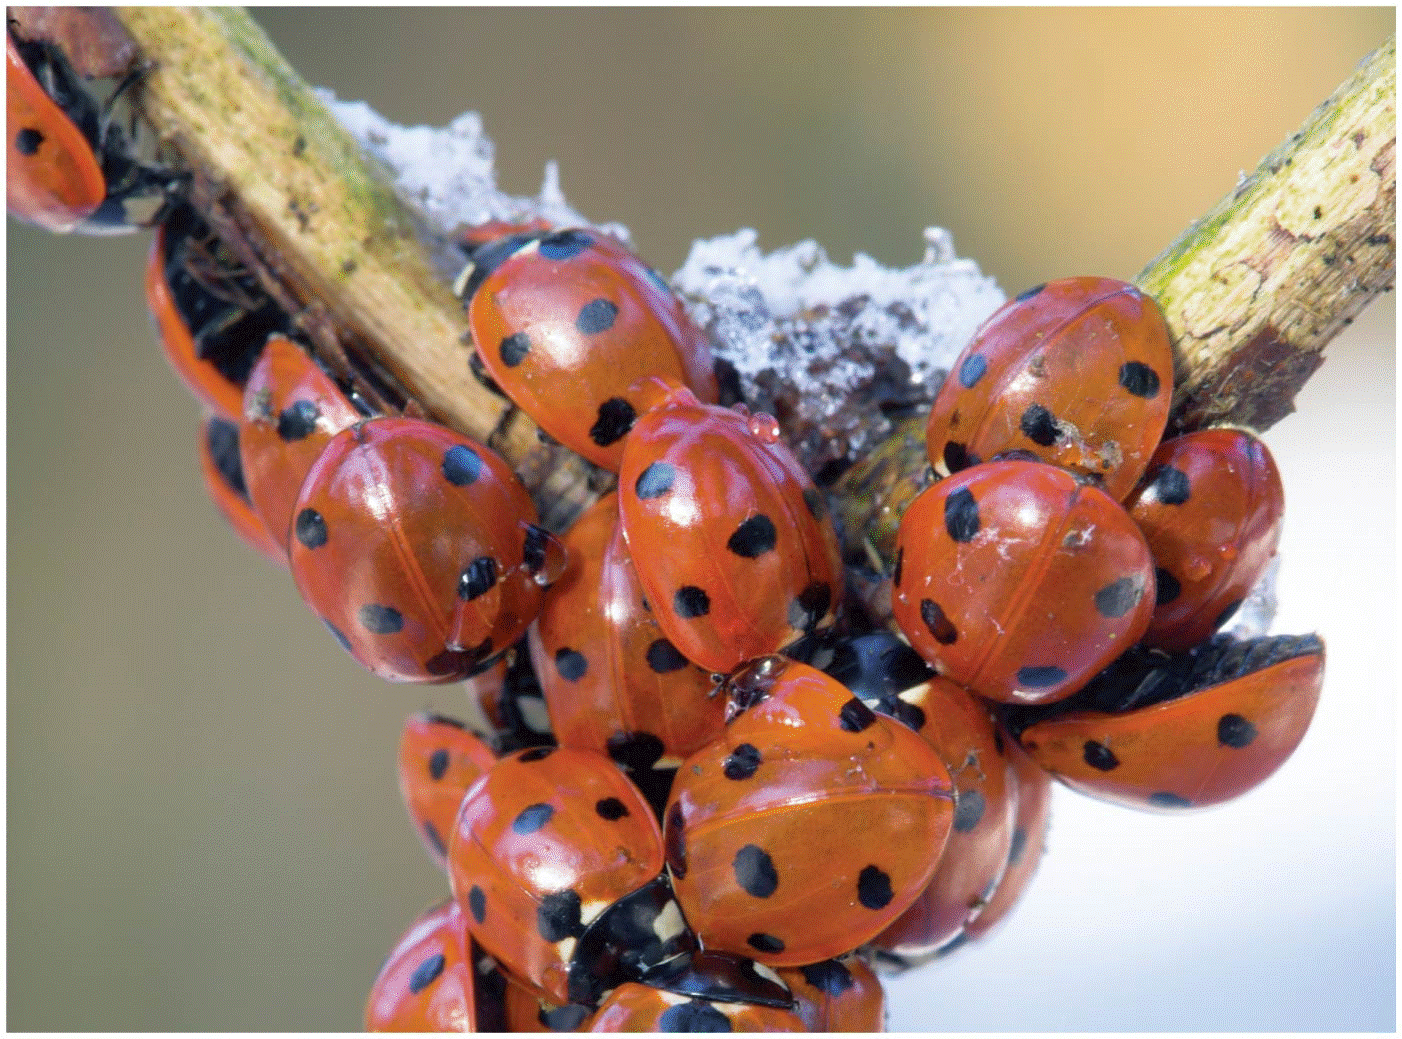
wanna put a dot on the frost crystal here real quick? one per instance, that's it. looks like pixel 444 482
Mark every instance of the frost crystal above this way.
pixel 1257 610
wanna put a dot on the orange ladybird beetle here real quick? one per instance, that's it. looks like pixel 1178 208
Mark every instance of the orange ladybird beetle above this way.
pixel 1019 582
pixel 837 996
pixel 731 542
pixel 439 758
pixel 1079 372
pixel 635 1007
pixel 224 480
pixel 1168 733
pixel 1210 506
pixel 427 983
pixel 565 323
pixel 418 548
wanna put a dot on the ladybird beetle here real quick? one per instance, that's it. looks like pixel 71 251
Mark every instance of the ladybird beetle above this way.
pixel 557 860
pixel 418 548
pixel 291 409
pixel 837 996
pixel 566 322
pixel 210 315
pixel 223 479
pixel 1079 372
pixel 731 541
pixel 438 760
pixel 1211 507
pixel 635 1007
pixel 612 681
pixel 1018 581
pixel 1167 733
pixel 66 166
pixel 427 984
pixel 758 829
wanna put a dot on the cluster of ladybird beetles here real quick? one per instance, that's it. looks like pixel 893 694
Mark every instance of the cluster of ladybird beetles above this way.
pixel 689 715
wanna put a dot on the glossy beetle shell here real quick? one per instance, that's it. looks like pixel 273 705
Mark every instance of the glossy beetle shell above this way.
pixel 1193 751
pixel 634 1007
pixel 567 322
pixel 545 842
pixel 837 996
pixel 1078 371
pixel 1211 507
pixel 1018 582
pixel 224 480
pixel 611 679
pixel 730 539
pixel 417 547
pixel 427 983
pixel 760 824
pixel 289 411
pixel 438 760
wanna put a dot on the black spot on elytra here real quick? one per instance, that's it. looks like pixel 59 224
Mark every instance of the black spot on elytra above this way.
pixel 957 457
pixel 533 547
pixel 1166 587
pixel 557 916
pixel 690 602
pixel 829 977
pixel 754 871
pixel 567 1018
pixel 1118 597
pixel 742 762
pixel 426 973
pixel 438 763
pixel 596 316
pixel 695 1015
pixel 1027 294
pixel 1019 846
pixel 655 480
pixel 874 888
pixel 461 465
pixel 900 565
pixel 969 806
pixel 971 371
pixel 297 421
pixel 338 635
pixel 1164 799
pixel 379 619
pixel 570 663
pixel 222 441
pixel 1235 731
pixel 564 245
pixel 810 606
pixel 514 349
pixel 1226 614
pixel 939 626
pixel 1139 379
pixel 855 716
pixel 610 808
pixel 435 838
pixel 1038 425
pixel 674 841
pixel 1098 756
pixel 616 417
pixel 908 714
pixel 817 504
pixel 635 751
pixel 1040 677
pixel 754 537
pixel 531 818
pixel 664 658
pixel 28 140
pixel 961 520
pixel 478 578
pixel 1171 486
pixel 477 903
pixel 761 942
pixel 310 528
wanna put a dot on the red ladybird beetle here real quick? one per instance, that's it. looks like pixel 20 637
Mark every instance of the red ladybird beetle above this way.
pixel 731 541
pixel 634 1007
pixel 557 860
pixel 612 681
pixel 567 321
pixel 439 758
pixel 1167 733
pixel 428 982
pixel 67 167
pixel 223 479
pixel 211 317
pixel 837 996
pixel 760 824
pixel 418 548
pixel 290 411
pixel 1019 582
pixel 1079 372
pixel 1211 507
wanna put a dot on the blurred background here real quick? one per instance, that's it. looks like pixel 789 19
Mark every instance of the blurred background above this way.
pixel 203 827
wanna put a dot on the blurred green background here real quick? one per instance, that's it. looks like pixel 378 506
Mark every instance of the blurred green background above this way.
pixel 203 827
